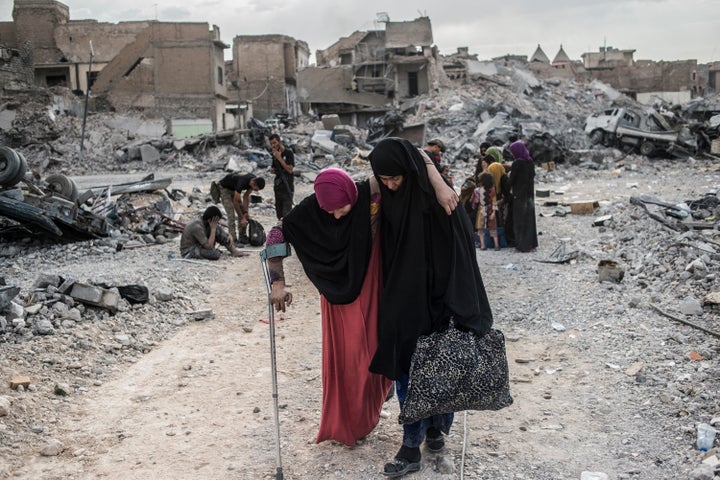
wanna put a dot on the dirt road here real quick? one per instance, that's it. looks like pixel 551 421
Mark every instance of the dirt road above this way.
pixel 593 377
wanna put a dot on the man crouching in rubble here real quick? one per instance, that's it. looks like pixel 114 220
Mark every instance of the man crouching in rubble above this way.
pixel 202 234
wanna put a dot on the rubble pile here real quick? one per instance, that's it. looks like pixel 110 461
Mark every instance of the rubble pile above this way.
pixel 676 268
pixel 87 311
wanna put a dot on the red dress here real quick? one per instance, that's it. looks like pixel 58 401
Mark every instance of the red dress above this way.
pixel 352 396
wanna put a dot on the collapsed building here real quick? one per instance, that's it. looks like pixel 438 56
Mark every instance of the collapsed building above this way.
pixel 263 74
pixel 169 70
pixel 371 72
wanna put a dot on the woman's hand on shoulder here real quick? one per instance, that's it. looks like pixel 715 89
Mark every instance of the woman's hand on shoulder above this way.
pixel 447 198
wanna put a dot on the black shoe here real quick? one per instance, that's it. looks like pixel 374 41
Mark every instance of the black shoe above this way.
pixel 434 440
pixel 406 461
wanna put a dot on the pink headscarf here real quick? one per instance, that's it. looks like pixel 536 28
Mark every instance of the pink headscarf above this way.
pixel 334 189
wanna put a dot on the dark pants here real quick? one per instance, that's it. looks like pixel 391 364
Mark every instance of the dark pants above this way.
pixel 414 433
pixel 283 201
pixel 221 238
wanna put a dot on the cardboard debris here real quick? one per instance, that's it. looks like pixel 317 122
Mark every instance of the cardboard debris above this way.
pixel 584 208
pixel 22 380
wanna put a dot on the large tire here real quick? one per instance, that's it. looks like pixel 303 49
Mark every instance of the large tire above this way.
pixel 647 148
pixel 63 186
pixel 597 137
pixel 10 165
pixel 21 171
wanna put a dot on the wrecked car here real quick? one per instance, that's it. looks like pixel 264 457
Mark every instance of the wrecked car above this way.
pixel 649 134
pixel 54 209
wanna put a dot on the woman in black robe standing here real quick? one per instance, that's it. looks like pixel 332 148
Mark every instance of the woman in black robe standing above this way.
pixel 431 276
pixel 522 178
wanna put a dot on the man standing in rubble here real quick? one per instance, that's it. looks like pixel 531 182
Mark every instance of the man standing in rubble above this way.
pixel 235 189
pixel 433 148
pixel 282 166
pixel 202 234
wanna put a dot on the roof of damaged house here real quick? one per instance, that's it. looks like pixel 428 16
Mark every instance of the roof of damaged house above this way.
pixel 414 33
pixel 333 85
pixel 345 43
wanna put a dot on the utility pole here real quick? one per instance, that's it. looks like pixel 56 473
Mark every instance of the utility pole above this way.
pixel 87 96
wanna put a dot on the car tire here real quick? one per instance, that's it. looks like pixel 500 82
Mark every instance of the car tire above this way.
pixel 597 137
pixel 647 148
pixel 10 166
pixel 21 171
pixel 63 186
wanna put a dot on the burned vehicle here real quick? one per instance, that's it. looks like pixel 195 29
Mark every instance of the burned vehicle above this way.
pixel 648 134
pixel 52 208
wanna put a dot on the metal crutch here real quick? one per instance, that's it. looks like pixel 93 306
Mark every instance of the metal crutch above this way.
pixel 270 252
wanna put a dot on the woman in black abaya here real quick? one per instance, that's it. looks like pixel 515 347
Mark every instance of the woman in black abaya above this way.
pixel 430 275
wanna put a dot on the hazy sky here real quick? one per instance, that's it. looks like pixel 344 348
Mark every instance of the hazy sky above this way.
pixel 656 29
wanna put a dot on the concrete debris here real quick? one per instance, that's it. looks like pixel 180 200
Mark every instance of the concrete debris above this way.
pixel 4 406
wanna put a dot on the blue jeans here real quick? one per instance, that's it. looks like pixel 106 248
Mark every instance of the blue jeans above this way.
pixel 414 433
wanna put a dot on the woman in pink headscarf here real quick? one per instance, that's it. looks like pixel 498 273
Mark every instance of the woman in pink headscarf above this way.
pixel 331 233
pixel 334 235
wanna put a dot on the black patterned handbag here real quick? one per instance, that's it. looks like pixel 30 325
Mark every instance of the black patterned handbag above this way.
pixel 455 370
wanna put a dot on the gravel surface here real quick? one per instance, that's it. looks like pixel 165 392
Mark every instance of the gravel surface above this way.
pixel 603 381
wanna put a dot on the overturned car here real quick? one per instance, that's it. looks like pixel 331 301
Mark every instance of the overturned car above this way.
pixel 649 134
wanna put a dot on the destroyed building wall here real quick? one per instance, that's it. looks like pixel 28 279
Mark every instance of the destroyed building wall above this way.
pixel 411 79
pixel 398 62
pixel 564 70
pixel 35 22
pixel 711 73
pixel 410 34
pixel 170 70
pixel 16 65
pixel 265 71
pixel 327 90
pixel 608 57
pixel 108 39
pixel 8 35
pixel 676 81
pixel 340 52
pixel 61 47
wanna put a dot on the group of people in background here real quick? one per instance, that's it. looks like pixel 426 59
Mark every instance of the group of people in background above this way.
pixel 234 192
pixel 499 197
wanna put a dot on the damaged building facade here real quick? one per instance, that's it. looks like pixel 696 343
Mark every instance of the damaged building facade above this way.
pixel 174 71
pixel 263 74
pixel 170 70
pixel 645 80
pixel 674 82
pixel 370 72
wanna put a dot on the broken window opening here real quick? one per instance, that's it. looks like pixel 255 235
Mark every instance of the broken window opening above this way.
pixel 56 81
pixel 133 66
pixel 91 77
pixel 413 89
pixel 220 75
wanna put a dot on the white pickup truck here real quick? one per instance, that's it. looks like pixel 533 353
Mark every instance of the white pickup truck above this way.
pixel 647 134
